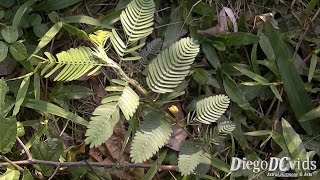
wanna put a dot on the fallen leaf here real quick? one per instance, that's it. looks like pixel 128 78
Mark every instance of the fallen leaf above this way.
pixel 179 134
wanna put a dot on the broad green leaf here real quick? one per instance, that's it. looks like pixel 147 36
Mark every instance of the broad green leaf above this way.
pixel 1 14
pixel 18 51
pixel 22 9
pixel 311 115
pixel 276 92
pixel 8 132
pixel 252 75
pixel 69 92
pixel 266 47
pixel 294 87
pixel 258 133
pixel 34 19
pixel 3 51
pixel 10 34
pixel 172 32
pixel 211 54
pixel 27 175
pixel 7 3
pixel 219 45
pixel 52 5
pixel 3 91
pixel 85 20
pixel 74 30
pixel 112 17
pixel 40 30
pixel 48 36
pixel 46 107
pixel 36 86
pixel 54 17
pixel 235 93
pixel 313 65
pixel 49 150
pixel 155 166
pixel 10 174
pixel 254 60
pixel 237 39
pixel 293 141
pixel 203 77
pixel 218 163
pixel 21 95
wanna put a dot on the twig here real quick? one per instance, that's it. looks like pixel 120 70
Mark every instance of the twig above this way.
pixel 54 173
pixel 24 148
pixel 82 163
pixel 306 28
pixel 12 163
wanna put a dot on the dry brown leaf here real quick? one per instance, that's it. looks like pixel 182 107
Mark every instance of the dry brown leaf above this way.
pixel 215 30
pixel 115 143
pixel 96 155
pixel 179 134
pixel 98 89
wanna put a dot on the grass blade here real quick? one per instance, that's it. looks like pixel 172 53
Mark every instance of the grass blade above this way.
pixel 46 107
pixel 297 95
pixel 21 95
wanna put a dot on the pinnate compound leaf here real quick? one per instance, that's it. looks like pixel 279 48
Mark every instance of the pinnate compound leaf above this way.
pixel 172 65
pixel 210 109
pixel 100 128
pixel 152 135
pixel 106 116
pixel 137 19
pixel 190 157
pixel 3 51
pixel 8 132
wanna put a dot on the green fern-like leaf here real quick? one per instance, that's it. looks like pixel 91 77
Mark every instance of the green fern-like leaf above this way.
pixel 150 51
pixel 106 116
pixel 172 65
pixel 128 101
pixel 190 156
pixel 153 133
pixel 210 109
pixel 70 64
pixel 100 128
pixel 221 131
pixel 137 19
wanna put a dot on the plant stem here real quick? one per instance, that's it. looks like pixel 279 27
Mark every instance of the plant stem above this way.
pixel 82 163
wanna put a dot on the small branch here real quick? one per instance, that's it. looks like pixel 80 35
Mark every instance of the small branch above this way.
pixel 306 28
pixel 82 163
pixel 54 173
pixel 12 163
pixel 24 148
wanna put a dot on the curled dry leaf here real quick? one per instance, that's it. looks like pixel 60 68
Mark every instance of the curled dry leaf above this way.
pixel 224 13
pixel 179 134
pixel 215 30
